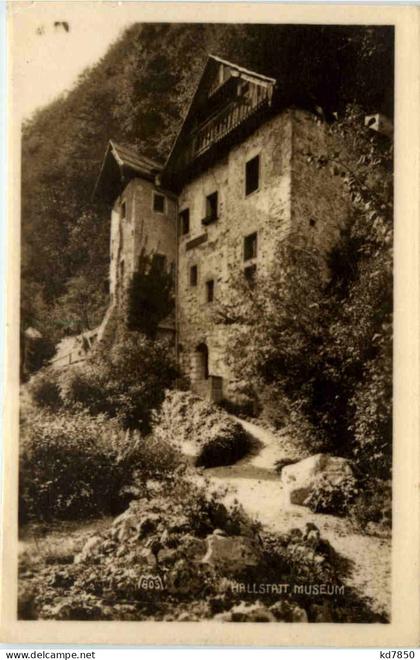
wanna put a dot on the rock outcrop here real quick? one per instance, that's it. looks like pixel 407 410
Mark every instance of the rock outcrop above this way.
pixel 299 479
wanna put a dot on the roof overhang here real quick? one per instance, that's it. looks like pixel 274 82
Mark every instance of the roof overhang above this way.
pixel 212 64
pixel 119 166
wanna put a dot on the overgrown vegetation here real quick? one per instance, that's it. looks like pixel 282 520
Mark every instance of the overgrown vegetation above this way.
pixel 165 566
pixel 125 380
pixel 69 467
pixel 74 465
pixel 150 297
pixel 331 498
pixel 316 335
pixel 201 429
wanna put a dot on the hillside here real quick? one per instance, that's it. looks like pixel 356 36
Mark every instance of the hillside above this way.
pixel 137 94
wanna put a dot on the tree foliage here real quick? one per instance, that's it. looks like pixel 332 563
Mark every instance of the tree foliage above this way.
pixel 127 380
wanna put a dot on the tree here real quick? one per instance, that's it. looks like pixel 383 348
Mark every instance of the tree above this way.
pixel 322 345
pixel 126 380
pixel 81 307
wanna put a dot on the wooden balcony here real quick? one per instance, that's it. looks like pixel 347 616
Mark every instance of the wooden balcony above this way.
pixel 220 125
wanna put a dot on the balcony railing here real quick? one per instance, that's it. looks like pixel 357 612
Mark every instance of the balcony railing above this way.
pixel 218 126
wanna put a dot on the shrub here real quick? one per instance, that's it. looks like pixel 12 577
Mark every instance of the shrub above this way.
pixel 372 421
pixel 81 387
pixel 327 497
pixel 69 467
pixel 373 504
pixel 201 428
pixel 316 334
pixel 73 465
pixel 44 389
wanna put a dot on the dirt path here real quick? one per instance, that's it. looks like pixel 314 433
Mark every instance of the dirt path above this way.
pixel 254 482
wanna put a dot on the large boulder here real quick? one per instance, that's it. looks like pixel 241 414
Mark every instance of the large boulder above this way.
pixel 300 478
pixel 231 554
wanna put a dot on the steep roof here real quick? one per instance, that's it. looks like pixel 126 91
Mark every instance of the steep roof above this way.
pixel 128 157
pixel 246 72
pixel 120 164
pixel 202 90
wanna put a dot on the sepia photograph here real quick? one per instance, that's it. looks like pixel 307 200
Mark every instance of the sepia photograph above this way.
pixel 206 321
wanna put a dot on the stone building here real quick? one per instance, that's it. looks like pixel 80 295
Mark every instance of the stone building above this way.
pixel 236 182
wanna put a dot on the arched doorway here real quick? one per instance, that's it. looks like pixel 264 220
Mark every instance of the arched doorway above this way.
pixel 202 353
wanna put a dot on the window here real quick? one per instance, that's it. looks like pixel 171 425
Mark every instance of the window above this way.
pixel 193 276
pixel 159 261
pixel 211 208
pixel 252 175
pixel 184 217
pixel 210 291
pixel 123 210
pixel 158 203
pixel 250 246
pixel 250 273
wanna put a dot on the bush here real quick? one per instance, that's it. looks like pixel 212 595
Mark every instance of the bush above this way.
pixel 164 539
pixel 201 428
pixel 80 387
pixel 373 504
pixel 74 466
pixel 336 499
pixel 125 381
pixel 44 389
pixel 372 421
pixel 69 467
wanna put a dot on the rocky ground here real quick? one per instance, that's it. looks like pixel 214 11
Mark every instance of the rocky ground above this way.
pixel 255 483
pixel 175 554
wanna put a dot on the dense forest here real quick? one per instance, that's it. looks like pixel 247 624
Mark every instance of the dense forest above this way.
pixel 137 94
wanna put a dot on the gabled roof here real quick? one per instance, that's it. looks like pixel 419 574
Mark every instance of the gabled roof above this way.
pixel 128 157
pixel 120 164
pixel 210 68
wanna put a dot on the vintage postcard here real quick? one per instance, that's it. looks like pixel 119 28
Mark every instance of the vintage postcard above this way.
pixel 211 430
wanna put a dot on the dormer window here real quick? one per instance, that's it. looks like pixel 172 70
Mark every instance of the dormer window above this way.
pixel 158 203
pixel 212 204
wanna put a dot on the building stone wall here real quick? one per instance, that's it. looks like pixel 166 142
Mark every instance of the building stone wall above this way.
pixel 320 204
pixel 293 197
pixel 142 230
pixel 266 211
